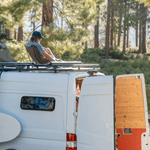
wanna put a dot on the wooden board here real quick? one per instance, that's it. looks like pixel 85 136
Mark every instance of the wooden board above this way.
pixel 129 103
pixel 9 128
pixel 130 111
pixel 130 115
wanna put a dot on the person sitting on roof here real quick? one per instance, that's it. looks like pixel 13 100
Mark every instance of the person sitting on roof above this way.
pixel 44 52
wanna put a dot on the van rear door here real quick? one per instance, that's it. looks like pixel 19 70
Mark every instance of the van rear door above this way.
pixel 95 122
pixel 131 112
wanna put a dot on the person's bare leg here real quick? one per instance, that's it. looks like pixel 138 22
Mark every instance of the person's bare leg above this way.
pixel 48 51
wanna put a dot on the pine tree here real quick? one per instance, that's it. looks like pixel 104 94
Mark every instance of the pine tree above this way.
pixel 120 20
pixel 107 30
pixel 20 34
pixel 112 23
pixel 124 36
pixel 136 25
pixel 96 31
pixel 47 15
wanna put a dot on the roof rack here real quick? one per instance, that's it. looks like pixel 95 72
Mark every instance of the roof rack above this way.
pixel 52 66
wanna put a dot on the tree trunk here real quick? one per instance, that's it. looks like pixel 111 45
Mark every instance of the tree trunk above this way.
pixel 47 15
pixel 96 37
pixel 107 31
pixel 71 26
pixel 110 34
pixel 96 32
pixel 33 26
pixel 136 27
pixel 124 36
pixel 112 25
pixel 62 18
pixel 128 28
pixel 15 34
pixel 1 26
pixel 141 41
pixel 136 33
pixel 120 20
pixel 144 30
pixel 115 44
pixel 140 37
pixel 128 37
pixel 7 33
pixel 86 44
pixel 20 34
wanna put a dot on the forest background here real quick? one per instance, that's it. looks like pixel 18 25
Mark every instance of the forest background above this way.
pixel 93 31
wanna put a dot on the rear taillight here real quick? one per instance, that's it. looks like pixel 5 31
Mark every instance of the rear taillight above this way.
pixel 71 141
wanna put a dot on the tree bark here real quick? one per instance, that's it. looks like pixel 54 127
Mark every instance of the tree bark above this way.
pixel 140 36
pixel 112 25
pixel 15 34
pixel 128 37
pixel 96 37
pixel 142 46
pixel 47 13
pixel 120 20
pixel 127 28
pixel 107 31
pixel 86 44
pixel 7 33
pixel 96 32
pixel 1 26
pixel 20 34
pixel 136 27
pixel 115 44
pixel 62 19
pixel 144 29
pixel 33 26
pixel 124 36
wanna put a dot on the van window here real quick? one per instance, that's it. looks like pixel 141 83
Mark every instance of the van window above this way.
pixel 37 103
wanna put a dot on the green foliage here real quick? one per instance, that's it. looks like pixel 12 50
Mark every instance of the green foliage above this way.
pixel 3 37
pixel 131 66
pixel 68 56
pixel 61 41
pixel 116 53
pixel 18 52
pixel 148 95
pixel 90 55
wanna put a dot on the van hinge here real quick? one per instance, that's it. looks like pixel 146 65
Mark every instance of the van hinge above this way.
pixel 75 113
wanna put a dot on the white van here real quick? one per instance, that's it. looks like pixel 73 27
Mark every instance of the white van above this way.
pixel 63 106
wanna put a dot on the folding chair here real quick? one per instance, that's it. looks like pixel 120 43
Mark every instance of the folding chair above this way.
pixel 36 56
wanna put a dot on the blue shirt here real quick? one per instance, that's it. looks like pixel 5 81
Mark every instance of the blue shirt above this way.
pixel 39 46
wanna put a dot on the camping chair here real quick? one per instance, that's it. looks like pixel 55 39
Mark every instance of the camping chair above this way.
pixel 36 56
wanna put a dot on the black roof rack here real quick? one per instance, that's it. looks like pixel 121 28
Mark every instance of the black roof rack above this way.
pixel 52 66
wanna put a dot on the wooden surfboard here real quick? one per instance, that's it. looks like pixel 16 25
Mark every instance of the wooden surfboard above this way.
pixel 9 128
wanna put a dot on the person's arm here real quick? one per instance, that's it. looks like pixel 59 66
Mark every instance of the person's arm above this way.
pixel 49 51
pixel 48 57
pixel 46 52
pixel 51 54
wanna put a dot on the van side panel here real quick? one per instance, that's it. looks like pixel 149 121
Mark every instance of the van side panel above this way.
pixel 130 113
pixel 40 130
